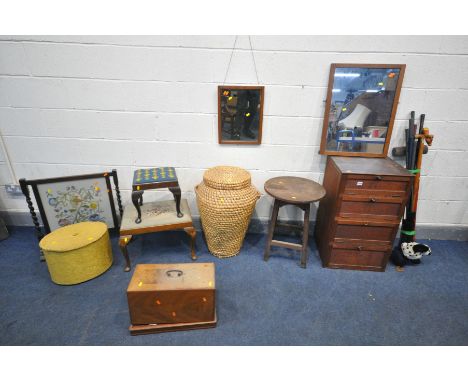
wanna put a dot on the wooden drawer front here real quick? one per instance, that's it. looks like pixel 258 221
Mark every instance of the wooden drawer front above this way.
pixel 364 194
pixel 365 232
pixel 354 258
pixel 365 182
pixel 391 210
pixel 361 245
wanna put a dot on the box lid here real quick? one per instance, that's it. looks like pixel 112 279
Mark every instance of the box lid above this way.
pixel 73 236
pixel 163 277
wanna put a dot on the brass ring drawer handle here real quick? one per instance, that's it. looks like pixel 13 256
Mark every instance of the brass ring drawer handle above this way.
pixel 378 177
pixel 360 247
pixel 372 200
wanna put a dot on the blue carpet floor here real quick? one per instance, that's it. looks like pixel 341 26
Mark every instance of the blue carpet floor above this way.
pixel 258 303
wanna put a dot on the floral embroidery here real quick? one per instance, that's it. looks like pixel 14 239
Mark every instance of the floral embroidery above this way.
pixel 75 205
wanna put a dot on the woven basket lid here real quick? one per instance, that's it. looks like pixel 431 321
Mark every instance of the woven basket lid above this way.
pixel 73 236
pixel 227 178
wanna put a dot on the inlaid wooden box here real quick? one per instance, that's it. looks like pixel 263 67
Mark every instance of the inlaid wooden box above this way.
pixel 172 296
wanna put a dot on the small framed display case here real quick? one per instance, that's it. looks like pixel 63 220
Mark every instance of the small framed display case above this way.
pixel 361 105
pixel 240 114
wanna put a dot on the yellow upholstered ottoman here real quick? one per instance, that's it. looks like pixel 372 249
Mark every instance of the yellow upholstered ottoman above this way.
pixel 77 252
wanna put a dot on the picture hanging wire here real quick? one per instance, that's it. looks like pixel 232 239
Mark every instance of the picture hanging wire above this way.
pixel 230 60
pixel 253 58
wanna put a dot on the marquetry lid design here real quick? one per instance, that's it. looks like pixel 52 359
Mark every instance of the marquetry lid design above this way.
pixel 164 277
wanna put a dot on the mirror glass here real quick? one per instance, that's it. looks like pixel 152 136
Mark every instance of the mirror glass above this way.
pixel 359 109
pixel 240 110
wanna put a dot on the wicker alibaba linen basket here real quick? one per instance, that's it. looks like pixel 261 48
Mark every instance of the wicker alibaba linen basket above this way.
pixel 226 200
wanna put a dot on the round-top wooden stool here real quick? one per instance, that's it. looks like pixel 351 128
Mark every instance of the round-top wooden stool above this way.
pixel 296 191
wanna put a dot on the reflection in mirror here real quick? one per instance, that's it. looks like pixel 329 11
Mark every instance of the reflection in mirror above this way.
pixel 361 108
pixel 240 110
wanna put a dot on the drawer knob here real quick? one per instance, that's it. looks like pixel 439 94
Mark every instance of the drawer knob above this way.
pixel 359 248
pixel 365 224
pixel 372 200
pixel 378 177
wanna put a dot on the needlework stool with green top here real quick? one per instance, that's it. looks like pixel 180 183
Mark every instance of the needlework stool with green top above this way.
pixel 153 178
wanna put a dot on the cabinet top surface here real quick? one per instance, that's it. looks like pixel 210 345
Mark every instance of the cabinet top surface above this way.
pixel 371 166
pixel 162 277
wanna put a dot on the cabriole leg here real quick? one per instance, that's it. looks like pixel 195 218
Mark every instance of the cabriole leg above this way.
pixel 123 243
pixel 177 195
pixel 192 233
pixel 137 197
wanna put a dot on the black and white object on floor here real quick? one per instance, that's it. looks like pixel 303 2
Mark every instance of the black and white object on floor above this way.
pixel 414 251
pixel 410 252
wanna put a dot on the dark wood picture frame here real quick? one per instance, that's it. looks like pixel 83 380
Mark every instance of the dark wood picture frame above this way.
pixel 41 232
pixel 331 78
pixel 222 141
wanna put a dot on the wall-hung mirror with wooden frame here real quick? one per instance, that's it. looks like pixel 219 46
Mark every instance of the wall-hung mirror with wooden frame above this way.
pixel 360 109
pixel 240 114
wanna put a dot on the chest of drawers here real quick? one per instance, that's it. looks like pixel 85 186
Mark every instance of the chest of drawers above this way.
pixel 358 219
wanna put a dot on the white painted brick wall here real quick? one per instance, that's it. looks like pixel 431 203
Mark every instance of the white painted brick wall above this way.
pixel 82 104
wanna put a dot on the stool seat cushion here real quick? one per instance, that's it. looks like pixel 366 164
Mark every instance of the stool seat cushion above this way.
pixel 77 252
pixel 157 216
pixel 154 175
